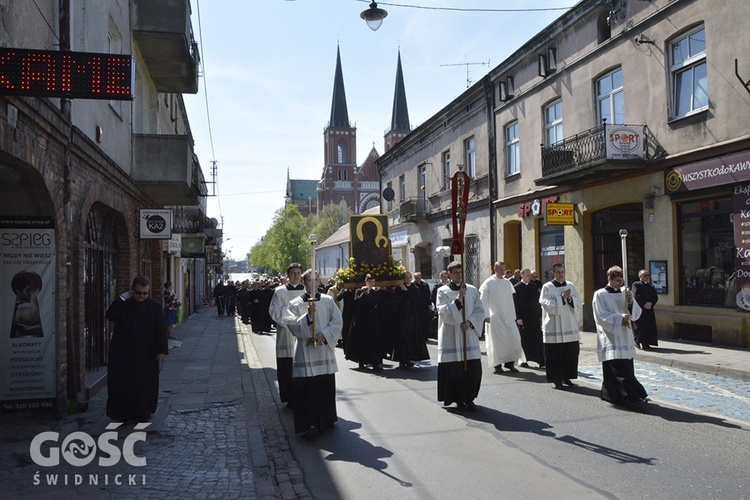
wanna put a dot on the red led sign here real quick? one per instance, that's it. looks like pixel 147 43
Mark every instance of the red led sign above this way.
pixel 81 75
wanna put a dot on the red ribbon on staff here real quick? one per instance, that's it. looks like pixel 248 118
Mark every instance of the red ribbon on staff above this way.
pixel 460 206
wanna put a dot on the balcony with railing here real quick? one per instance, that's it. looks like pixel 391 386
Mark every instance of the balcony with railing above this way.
pixel 165 36
pixel 167 169
pixel 342 184
pixel 413 209
pixel 597 153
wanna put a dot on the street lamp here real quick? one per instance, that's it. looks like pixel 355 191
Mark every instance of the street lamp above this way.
pixel 373 16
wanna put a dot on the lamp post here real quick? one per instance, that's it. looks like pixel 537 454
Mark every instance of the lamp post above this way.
pixel 373 16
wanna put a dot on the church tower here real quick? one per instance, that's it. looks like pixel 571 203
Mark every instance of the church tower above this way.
pixel 340 149
pixel 400 126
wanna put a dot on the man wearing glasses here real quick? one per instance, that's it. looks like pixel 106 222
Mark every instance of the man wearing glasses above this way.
pixel 138 346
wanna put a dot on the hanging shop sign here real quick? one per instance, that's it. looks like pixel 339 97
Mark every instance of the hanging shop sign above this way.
pixel 156 224
pixel 624 142
pixel 75 75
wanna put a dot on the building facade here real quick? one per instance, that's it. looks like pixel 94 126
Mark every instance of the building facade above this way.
pixel 77 173
pixel 416 172
pixel 639 114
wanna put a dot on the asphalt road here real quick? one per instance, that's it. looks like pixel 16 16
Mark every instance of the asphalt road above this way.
pixel 394 440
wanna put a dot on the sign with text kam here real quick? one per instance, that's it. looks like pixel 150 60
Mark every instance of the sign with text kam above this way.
pixel 76 75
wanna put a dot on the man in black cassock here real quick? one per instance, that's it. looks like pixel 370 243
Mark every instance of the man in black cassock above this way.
pixel 644 329
pixel 139 344
pixel 424 311
pixel 529 314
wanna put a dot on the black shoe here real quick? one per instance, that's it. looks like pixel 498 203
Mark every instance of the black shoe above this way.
pixel 558 385
pixel 647 347
pixel 499 369
pixel 470 406
pixel 511 369
pixel 311 433
pixel 524 364
pixel 461 406
pixel 377 368
pixel 568 382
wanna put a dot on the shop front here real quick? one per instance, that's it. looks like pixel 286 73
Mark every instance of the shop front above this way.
pixel 711 201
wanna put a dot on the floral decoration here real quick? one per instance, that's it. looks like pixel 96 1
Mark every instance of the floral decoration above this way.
pixel 356 272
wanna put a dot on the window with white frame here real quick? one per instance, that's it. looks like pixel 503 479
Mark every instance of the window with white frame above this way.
pixel 512 150
pixel 341 152
pixel 470 157
pixel 689 73
pixel 446 170
pixel 553 129
pixel 402 189
pixel 422 180
pixel 610 99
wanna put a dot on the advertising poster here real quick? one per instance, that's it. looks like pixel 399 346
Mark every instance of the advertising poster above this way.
pixel 741 203
pixel 27 321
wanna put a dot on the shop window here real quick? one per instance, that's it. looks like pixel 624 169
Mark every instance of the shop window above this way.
pixel 707 251
pixel 471 252
pixel 551 249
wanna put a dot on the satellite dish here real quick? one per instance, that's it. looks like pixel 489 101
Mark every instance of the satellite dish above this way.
pixel 389 194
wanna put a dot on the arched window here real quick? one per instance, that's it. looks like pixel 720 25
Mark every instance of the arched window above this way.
pixel 341 152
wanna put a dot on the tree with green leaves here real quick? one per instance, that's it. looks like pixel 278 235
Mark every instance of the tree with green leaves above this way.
pixel 287 241
pixel 330 219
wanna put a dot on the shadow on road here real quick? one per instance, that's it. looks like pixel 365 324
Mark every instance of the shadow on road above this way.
pixel 350 447
pixel 506 422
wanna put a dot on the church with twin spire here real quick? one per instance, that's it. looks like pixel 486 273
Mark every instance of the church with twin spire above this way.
pixel 343 181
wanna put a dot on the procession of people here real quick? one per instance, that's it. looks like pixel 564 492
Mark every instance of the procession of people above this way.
pixel 384 325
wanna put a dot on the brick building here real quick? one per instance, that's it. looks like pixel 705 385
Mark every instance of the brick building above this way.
pixel 76 174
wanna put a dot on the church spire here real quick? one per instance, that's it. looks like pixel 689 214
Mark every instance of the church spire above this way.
pixel 400 126
pixel 339 112
pixel 400 116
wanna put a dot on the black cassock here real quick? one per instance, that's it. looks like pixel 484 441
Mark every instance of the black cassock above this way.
pixel 133 371
pixel 366 343
pixel 644 329
pixel 529 310
pixel 263 321
pixel 347 314
pixel 408 341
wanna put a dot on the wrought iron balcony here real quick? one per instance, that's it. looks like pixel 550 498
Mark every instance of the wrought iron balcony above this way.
pixel 188 220
pixel 599 152
pixel 413 209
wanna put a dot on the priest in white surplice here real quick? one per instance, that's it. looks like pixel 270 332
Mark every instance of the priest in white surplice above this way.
pixel 561 315
pixel 313 373
pixel 503 338
pixel 615 344
pixel 460 317
pixel 285 342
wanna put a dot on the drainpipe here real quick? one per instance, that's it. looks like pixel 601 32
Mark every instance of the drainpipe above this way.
pixel 489 96
pixel 73 365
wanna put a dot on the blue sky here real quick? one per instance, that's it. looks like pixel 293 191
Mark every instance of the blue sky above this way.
pixel 268 77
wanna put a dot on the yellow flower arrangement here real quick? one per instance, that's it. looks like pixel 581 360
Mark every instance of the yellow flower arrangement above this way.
pixel 356 272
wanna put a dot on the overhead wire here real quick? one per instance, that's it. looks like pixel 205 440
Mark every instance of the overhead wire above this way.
pixel 208 113
pixel 466 9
